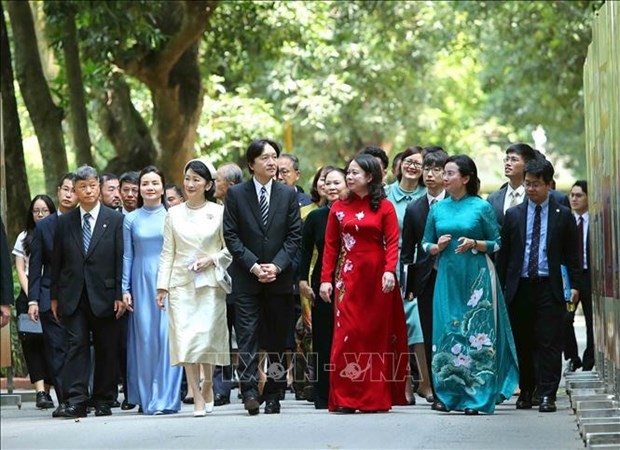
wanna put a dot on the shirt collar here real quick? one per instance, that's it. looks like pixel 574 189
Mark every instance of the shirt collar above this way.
pixel 399 194
pixel 258 186
pixel 520 190
pixel 585 216
pixel 93 212
pixel 439 197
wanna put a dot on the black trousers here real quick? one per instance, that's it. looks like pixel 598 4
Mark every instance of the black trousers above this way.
pixel 222 375
pixel 55 342
pixel 322 334
pixel 33 348
pixel 537 320
pixel 262 321
pixel 425 310
pixel 570 342
pixel 76 371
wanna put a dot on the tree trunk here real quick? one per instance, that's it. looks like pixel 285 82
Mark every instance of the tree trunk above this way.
pixel 46 116
pixel 176 112
pixel 18 193
pixel 77 102
pixel 172 75
pixel 124 127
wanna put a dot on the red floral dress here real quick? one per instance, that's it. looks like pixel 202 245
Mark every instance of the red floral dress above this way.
pixel 369 357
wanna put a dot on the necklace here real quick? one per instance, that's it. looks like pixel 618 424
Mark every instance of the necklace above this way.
pixel 195 207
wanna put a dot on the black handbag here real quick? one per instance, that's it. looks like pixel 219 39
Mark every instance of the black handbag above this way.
pixel 25 325
pixel 414 276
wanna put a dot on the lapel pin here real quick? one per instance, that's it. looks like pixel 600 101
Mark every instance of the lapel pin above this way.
pixel 105 225
pixel 557 210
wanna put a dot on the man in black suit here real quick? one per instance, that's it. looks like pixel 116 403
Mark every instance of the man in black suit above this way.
pixel 262 229
pixel 538 236
pixel 513 193
pixel 87 266
pixel 39 281
pixel 579 205
pixel 411 251
pixel 6 288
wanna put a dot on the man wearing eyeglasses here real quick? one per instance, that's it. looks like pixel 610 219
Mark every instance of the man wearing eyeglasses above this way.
pixel 513 193
pixel 538 236
pixel 39 281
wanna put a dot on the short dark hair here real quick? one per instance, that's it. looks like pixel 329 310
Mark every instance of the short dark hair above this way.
pixel 107 177
pixel 176 188
pixel 435 158
pixel 583 184
pixel 434 148
pixel 67 176
pixel 523 150
pixel 152 169
pixel 130 177
pixel 377 152
pixel 203 171
pixel 255 149
pixel 540 168
pixel 467 168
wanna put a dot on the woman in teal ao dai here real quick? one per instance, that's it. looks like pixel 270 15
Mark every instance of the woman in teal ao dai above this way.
pixel 474 365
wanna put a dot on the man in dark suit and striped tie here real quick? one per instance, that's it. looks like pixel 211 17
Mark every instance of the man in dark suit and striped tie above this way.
pixel 262 229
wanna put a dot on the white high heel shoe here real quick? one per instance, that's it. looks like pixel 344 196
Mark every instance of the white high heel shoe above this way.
pixel 209 407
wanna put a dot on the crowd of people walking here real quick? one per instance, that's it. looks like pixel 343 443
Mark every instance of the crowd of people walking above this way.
pixel 359 296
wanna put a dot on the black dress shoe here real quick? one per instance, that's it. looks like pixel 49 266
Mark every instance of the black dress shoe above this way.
pixel 470 412
pixel 44 401
pixel 272 407
pixel 74 411
pixel 438 405
pixel 104 410
pixel 525 400
pixel 574 364
pixel 126 406
pixel 251 405
pixel 59 412
pixel 115 404
pixel 221 400
pixel 547 404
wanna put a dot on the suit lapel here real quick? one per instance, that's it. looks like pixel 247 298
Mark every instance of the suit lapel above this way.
pixel 273 201
pixel 499 202
pixel 253 201
pixel 101 226
pixel 76 229
pixel 523 225
pixel 552 221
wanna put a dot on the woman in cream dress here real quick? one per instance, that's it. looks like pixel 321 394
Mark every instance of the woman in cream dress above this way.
pixel 193 248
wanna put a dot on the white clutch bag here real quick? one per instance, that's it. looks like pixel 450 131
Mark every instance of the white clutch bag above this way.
pixel 223 279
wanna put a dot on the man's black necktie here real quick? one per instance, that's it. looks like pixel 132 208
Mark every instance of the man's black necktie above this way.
pixel 532 269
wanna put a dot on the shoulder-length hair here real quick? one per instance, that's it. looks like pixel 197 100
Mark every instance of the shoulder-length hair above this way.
pixel 152 169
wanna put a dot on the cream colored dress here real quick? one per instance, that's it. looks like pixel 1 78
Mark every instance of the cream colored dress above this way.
pixel 197 315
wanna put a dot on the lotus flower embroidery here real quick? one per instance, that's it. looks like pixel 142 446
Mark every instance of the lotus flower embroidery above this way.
pixel 462 360
pixel 456 349
pixel 478 340
pixel 360 215
pixel 348 266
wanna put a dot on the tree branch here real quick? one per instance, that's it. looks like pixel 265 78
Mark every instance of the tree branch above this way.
pixel 153 69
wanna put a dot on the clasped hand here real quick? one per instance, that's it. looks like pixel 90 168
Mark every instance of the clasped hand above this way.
pixel 266 273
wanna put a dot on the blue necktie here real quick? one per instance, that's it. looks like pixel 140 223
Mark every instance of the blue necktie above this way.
pixel 532 269
pixel 86 231
pixel 264 206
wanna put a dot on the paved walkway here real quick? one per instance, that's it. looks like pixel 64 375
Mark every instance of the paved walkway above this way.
pixel 298 426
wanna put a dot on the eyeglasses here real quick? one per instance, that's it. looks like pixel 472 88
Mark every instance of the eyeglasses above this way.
pixel 512 159
pixel 284 172
pixel 415 164
pixel 435 170
pixel 40 212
